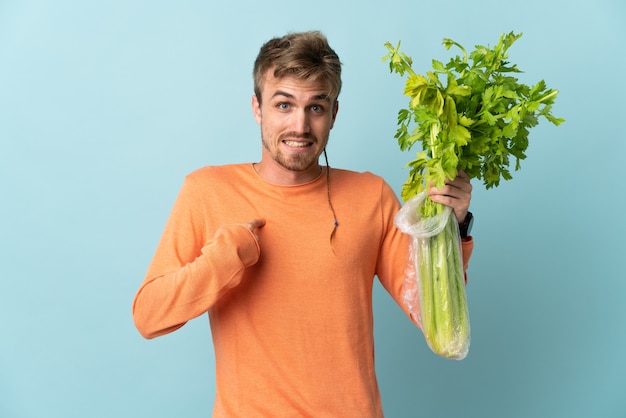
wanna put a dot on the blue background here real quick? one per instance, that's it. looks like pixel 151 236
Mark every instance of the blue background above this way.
pixel 105 106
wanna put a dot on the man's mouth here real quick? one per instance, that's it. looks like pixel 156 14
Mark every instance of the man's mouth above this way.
pixel 297 144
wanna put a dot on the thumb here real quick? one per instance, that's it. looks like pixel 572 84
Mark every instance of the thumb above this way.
pixel 255 223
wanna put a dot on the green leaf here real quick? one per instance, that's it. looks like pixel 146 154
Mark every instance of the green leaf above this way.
pixel 489 118
pixel 532 106
pixel 438 66
pixel 479 121
pixel 460 135
pixel 465 121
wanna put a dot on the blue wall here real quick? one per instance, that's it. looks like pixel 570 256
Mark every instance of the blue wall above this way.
pixel 105 106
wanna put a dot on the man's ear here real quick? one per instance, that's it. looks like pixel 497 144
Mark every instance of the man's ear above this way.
pixel 335 110
pixel 256 109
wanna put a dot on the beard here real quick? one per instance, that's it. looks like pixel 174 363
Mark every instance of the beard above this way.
pixel 295 162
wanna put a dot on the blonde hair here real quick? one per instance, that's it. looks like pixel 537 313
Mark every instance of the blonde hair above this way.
pixel 305 55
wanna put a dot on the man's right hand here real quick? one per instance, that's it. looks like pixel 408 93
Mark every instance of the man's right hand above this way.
pixel 253 225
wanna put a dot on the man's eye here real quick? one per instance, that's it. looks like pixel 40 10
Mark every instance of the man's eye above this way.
pixel 317 108
pixel 283 106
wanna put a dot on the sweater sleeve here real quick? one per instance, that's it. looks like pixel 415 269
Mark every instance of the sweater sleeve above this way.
pixel 189 272
pixel 467 246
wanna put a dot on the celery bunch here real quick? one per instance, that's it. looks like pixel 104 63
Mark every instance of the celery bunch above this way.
pixel 478 122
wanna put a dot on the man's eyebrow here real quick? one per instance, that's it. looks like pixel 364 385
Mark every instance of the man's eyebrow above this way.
pixel 323 96
pixel 283 93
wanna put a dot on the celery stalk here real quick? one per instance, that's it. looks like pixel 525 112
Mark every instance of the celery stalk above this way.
pixel 443 302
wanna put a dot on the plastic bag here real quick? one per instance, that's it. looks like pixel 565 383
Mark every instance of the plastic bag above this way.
pixel 434 286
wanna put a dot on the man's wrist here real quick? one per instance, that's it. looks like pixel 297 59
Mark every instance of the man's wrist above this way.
pixel 465 227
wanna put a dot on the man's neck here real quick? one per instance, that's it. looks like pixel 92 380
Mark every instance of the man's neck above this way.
pixel 279 175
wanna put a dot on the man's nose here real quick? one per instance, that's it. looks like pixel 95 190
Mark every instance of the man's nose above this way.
pixel 301 122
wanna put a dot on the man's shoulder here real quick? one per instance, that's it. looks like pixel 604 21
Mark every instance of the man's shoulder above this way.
pixel 213 173
pixel 364 185
pixel 216 178
pixel 361 177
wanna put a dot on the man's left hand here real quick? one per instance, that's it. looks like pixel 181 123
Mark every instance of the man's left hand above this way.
pixel 456 193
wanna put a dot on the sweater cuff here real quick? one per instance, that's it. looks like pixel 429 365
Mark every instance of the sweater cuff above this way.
pixel 467 246
pixel 249 250
pixel 241 240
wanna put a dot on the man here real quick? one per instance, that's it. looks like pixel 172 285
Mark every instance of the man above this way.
pixel 282 253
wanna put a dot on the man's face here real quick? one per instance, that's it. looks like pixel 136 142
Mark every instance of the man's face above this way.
pixel 296 117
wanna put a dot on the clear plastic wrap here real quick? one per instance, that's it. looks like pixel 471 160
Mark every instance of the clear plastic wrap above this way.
pixel 434 285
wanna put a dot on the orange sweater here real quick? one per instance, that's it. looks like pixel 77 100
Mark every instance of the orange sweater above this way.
pixel 291 316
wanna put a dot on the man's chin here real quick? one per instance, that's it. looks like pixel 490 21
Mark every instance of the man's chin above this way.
pixel 297 165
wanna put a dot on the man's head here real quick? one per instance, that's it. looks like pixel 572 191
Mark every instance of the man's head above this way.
pixel 303 55
pixel 297 79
